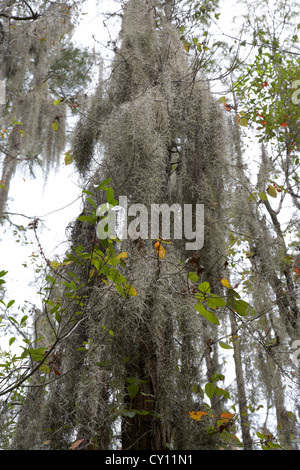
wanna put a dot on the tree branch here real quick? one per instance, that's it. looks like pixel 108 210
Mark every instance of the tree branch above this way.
pixel 33 17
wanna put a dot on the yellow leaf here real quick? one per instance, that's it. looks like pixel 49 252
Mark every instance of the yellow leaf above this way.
pixel 186 47
pixel 92 271
pixel 54 264
pixel 225 283
pixel 55 126
pixel 130 290
pixel 68 158
pixel 243 122
pixel 122 255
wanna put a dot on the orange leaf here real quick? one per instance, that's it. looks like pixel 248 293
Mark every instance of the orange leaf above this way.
pixel 227 106
pixel 76 444
pixel 284 124
pixel 226 416
pixel 160 250
pixel 197 415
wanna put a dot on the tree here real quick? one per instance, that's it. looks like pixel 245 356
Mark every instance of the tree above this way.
pixel 127 351
pixel 37 75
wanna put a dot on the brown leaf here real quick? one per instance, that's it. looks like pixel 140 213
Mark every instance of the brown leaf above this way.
pixel 76 444
pixel 194 259
pixel 56 372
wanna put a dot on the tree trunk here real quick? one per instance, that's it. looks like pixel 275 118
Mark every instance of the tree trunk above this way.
pixel 241 389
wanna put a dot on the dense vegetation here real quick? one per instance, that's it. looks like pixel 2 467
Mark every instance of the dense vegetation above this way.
pixel 141 343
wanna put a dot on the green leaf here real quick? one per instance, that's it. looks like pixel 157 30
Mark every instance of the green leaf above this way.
pixel 23 319
pixel 211 317
pixel 141 412
pixel 50 279
pixel 57 317
pixel 87 218
pixel 272 191
pixel 273 445
pixel 216 377
pixel 221 391
pixel 116 277
pixel 103 184
pixel 103 363
pixel 92 202
pixel 57 102
pixel 13 320
pixel 11 341
pixel 243 308
pixel 214 301
pixel 193 277
pixel 130 414
pixel 10 303
pixel 263 196
pixel 261 436
pixel 55 125
pixel 119 288
pixel 133 390
pixel 85 191
pixel 37 354
pixel 204 287
pixel 110 195
pixel 45 368
pixel 209 390
pixel 225 345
